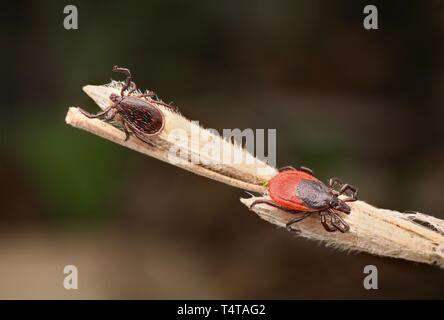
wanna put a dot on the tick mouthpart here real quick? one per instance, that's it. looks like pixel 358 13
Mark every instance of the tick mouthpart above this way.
pixel 114 98
pixel 340 205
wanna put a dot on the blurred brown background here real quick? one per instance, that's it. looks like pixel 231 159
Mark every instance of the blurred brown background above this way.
pixel 366 106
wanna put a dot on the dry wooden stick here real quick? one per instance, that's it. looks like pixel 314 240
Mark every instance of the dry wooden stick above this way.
pixel 414 236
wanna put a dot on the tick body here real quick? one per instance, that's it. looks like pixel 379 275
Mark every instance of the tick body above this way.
pixel 299 192
pixel 137 114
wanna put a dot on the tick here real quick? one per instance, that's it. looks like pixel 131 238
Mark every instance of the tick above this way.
pixel 137 114
pixel 298 191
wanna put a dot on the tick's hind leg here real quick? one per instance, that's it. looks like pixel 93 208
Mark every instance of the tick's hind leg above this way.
pixel 156 100
pixel 148 94
pixel 286 168
pixel 304 169
pixel 293 221
pixel 169 106
pixel 269 202
pixel 129 129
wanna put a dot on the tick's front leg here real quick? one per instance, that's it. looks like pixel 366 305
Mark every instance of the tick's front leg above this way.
pixel 335 183
pixel 338 222
pixel 128 81
pixel 327 227
pixel 350 191
pixel 97 115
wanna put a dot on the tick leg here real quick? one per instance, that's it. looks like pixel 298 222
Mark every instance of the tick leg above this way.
pixel 128 81
pixel 350 191
pixel 335 183
pixel 149 94
pixel 125 128
pixel 110 114
pixel 307 170
pixel 324 222
pixel 286 168
pixel 133 87
pixel 339 223
pixel 290 223
pixel 136 133
pixel 271 203
pixel 152 94
pixel 173 108
pixel 304 169
pixel 97 115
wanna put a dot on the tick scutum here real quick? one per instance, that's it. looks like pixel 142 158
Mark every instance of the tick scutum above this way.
pixel 313 193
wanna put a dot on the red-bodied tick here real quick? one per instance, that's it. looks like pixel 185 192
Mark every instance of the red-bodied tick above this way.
pixel 298 191
pixel 137 114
